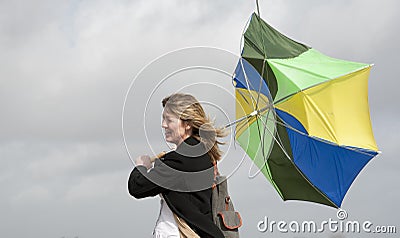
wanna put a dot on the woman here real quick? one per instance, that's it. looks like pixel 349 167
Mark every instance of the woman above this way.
pixel 184 177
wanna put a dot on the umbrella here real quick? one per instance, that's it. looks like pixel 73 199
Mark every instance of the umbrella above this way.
pixel 302 117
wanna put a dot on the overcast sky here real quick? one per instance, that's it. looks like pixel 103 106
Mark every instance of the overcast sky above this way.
pixel 67 65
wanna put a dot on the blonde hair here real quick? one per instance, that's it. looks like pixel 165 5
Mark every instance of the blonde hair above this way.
pixel 188 109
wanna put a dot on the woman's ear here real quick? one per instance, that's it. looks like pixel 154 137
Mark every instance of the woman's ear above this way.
pixel 188 126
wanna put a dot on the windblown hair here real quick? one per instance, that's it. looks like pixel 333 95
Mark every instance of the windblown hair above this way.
pixel 188 109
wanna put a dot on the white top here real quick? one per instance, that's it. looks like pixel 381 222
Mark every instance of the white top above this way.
pixel 166 225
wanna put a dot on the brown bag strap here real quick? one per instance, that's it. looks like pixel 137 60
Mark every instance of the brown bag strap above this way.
pixel 184 229
pixel 216 173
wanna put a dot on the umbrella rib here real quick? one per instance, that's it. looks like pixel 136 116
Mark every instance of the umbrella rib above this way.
pixel 246 79
pixel 247 82
pixel 264 60
pixel 261 141
pixel 260 84
pixel 241 45
pixel 279 144
pixel 298 170
pixel 261 78
pixel 238 128
pixel 244 98
pixel 250 85
pixel 315 85
pixel 248 116
pixel 285 124
pixel 263 148
pixel 253 45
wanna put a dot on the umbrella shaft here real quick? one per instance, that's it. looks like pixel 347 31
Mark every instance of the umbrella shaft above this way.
pixel 254 113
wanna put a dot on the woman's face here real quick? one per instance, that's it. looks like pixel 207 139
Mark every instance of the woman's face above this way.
pixel 176 131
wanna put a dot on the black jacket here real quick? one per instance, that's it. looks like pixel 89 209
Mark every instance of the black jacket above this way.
pixel 184 177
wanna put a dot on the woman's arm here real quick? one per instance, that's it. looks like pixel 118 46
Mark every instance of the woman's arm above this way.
pixel 139 186
pixel 166 175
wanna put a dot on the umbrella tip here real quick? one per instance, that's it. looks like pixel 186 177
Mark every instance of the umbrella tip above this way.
pixel 258 8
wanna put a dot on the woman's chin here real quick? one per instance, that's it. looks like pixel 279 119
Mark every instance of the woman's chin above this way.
pixel 169 140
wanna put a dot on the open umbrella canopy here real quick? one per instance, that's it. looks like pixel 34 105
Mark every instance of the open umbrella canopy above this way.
pixel 302 117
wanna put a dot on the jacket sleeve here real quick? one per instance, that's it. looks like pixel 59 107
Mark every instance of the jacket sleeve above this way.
pixel 140 186
pixel 166 175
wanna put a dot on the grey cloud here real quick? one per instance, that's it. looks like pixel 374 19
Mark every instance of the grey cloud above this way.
pixel 66 67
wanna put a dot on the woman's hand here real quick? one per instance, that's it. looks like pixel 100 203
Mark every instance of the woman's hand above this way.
pixel 143 160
